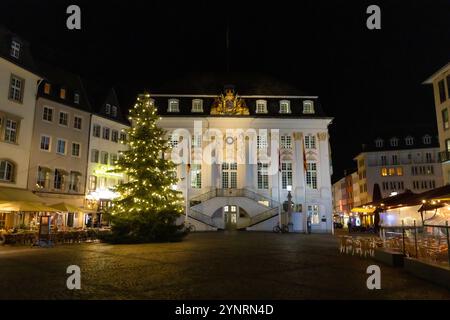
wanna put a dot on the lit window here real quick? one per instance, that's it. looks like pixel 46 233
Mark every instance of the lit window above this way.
pixel 61 146
pixel 42 177
pixel 47 88
pixel 63 118
pixel 62 93
pixel 47 114
pixel 286 175
pixel 15 49
pixel 384 172
pixel 174 105
pixel 196 176
pixel 310 141
pixel 16 88
pixel 96 130
pixel 286 142
pixel 261 106
pixel 313 214
pixel 197 105
pixel 427 138
pixel 285 106
pixel 6 171
pixel 76 98
pixel 11 130
pixel 409 141
pixel 263 176
pixel 311 175
pixel 77 122
pixel 399 171
pixel 45 143
pixel 308 107
pixel 379 143
pixel 112 159
pixel 391 171
pixel 445 122
pixel 76 149
pixel 92 183
pixel 104 157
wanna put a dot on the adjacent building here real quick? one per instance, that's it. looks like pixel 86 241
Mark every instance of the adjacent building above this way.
pixel 59 146
pixel 107 139
pixel 233 194
pixel 18 87
pixel 441 90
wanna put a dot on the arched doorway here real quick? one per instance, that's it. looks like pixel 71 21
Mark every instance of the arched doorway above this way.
pixel 231 216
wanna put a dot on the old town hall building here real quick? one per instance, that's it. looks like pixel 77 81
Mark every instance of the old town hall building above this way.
pixel 250 194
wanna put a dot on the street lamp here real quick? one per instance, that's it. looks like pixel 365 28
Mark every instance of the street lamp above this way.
pixel 289 196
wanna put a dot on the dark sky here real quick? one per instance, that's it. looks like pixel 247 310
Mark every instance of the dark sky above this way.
pixel 368 80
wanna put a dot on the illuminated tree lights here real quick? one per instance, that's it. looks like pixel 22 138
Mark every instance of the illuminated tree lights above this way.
pixel 148 206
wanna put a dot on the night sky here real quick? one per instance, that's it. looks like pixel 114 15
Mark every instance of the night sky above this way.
pixel 368 80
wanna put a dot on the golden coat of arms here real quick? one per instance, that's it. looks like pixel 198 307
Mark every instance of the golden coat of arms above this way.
pixel 229 104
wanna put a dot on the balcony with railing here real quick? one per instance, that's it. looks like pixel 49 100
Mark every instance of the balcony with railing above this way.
pixel 444 156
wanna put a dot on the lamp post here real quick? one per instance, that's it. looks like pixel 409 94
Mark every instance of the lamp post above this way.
pixel 289 210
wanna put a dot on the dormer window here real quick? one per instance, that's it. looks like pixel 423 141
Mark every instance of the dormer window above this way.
pixel 285 106
pixel 108 108
pixel 379 143
pixel 426 139
pixel 47 88
pixel 114 111
pixel 15 49
pixel 308 107
pixel 62 93
pixel 409 141
pixel 261 106
pixel 76 98
pixel 394 142
pixel 174 105
pixel 197 105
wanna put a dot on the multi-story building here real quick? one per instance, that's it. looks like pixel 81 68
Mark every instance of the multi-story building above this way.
pixel 59 148
pixel 397 163
pixel 441 89
pixel 345 196
pixel 107 134
pixel 18 88
pixel 229 193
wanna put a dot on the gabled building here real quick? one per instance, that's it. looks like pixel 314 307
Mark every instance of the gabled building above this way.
pixel 59 148
pixel 19 81
pixel 107 139
pixel 234 194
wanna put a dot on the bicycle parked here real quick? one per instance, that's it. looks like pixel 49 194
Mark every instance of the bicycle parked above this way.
pixel 281 229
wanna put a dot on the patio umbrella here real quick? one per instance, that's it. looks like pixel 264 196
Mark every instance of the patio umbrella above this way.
pixel 25 206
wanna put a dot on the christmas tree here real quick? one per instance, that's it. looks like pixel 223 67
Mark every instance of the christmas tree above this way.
pixel 148 205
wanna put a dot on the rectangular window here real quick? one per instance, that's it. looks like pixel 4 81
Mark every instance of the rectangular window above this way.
pixel 310 142
pixel 104 157
pixel 384 172
pixel 45 143
pixel 114 111
pixel 47 115
pixel 76 149
pixel 76 98
pixel 16 88
pixel 196 176
pixel 441 88
pixel 261 142
pixel 173 141
pixel 286 175
pixel 114 136
pixel 286 142
pixel 285 107
pixel 383 161
pixel 196 141
pixel 123 137
pixel 58 180
pixel 399 171
pixel 261 106
pixel 445 122
pixel 391 171
pixel 95 155
pixel 77 122
pixel 63 118
pixel 96 130
pixel 112 159
pixel 311 175
pixel 11 131
pixel 428 157
pixel 105 134
pixel 62 93
pixel 92 183
pixel 107 108
pixel 313 214
pixel 61 146
pixel 15 49
pixel 263 176
pixel 394 159
pixel 42 177
pixel 47 88
pixel 197 105
pixel 74 181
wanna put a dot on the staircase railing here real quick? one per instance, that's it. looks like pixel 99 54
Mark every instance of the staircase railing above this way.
pixel 202 217
pixel 263 216
pixel 234 193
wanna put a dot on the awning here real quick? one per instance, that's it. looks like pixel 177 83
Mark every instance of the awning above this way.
pixel 364 210
pixel 26 206
pixel 65 207
pixel 8 194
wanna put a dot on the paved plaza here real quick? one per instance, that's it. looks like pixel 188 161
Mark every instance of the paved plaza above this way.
pixel 222 265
